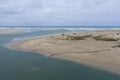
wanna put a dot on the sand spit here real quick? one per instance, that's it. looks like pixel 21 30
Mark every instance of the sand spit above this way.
pixel 100 49
pixel 9 31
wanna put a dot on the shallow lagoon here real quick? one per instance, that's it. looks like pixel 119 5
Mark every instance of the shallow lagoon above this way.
pixel 20 65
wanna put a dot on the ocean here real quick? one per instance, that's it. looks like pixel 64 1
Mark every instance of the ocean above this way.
pixel 63 27
pixel 21 65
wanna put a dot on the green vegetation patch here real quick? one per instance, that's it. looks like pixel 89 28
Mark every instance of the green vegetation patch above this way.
pixel 104 38
pixel 69 37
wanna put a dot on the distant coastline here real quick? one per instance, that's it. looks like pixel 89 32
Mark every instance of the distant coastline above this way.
pixel 99 49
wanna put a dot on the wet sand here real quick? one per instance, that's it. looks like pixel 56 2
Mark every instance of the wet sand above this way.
pixel 99 49
pixel 9 31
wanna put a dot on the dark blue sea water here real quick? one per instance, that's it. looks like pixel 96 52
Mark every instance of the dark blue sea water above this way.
pixel 20 65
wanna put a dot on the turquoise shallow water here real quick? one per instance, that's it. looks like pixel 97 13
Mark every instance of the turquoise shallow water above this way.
pixel 20 65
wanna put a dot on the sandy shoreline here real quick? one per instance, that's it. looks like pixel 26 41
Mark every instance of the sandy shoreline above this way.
pixel 100 49
pixel 10 31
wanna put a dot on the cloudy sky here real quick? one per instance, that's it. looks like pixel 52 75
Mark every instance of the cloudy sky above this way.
pixel 59 12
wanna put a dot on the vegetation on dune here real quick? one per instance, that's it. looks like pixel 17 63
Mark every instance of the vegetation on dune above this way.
pixel 75 38
pixel 63 34
pixel 82 37
pixel 71 37
pixel 118 45
pixel 104 38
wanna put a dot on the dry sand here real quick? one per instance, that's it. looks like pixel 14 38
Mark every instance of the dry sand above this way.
pixel 11 31
pixel 102 54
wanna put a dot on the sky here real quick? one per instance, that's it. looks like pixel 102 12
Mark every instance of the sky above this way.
pixel 59 12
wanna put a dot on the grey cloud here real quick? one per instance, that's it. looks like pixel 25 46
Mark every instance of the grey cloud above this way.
pixel 59 11
pixel 18 6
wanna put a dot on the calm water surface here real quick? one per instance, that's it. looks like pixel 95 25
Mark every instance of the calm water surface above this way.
pixel 20 65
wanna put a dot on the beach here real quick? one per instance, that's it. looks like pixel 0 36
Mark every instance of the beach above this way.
pixel 99 49
pixel 11 31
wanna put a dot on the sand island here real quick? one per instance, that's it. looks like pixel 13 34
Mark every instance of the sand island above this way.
pixel 99 49
pixel 11 31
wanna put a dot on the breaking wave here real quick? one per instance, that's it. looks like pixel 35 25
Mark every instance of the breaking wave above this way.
pixel 44 29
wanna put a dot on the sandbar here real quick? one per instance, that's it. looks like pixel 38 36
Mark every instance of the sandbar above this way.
pixel 98 49
pixel 10 31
